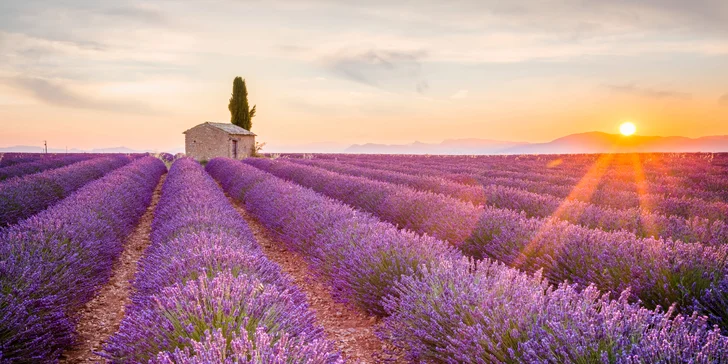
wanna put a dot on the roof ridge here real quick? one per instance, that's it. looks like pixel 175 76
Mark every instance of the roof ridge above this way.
pixel 229 128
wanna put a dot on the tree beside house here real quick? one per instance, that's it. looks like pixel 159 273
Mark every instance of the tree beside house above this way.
pixel 240 112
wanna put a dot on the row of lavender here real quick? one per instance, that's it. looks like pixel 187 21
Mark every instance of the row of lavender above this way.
pixel 636 180
pixel 441 307
pixel 564 173
pixel 705 171
pixel 22 169
pixel 659 272
pixel 169 158
pixel 11 159
pixel 614 169
pixel 53 263
pixel 595 178
pixel 25 196
pixel 684 207
pixel 634 220
pixel 204 292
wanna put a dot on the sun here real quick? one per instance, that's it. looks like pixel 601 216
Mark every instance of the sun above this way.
pixel 627 128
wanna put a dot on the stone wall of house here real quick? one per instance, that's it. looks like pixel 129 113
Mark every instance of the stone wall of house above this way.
pixel 206 142
pixel 246 145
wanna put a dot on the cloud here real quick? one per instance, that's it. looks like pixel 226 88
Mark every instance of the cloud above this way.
pixel 723 100
pixel 461 94
pixel 380 68
pixel 54 93
pixel 581 18
pixel 86 60
pixel 292 48
pixel 422 86
pixel 146 15
pixel 492 31
pixel 634 89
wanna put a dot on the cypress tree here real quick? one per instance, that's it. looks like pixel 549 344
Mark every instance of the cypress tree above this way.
pixel 240 112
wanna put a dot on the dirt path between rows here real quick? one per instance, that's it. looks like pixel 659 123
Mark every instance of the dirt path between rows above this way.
pixel 101 317
pixel 351 329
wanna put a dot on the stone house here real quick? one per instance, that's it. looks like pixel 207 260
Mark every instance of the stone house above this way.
pixel 209 140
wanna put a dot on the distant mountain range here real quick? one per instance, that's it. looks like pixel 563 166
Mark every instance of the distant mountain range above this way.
pixel 592 142
pixel 320 147
pixel 34 149
pixel 450 146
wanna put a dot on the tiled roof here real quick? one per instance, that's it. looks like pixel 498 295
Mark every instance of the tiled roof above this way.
pixel 229 128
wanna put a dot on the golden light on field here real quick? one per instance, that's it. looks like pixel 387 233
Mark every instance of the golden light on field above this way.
pixel 554 163
pixel 627 128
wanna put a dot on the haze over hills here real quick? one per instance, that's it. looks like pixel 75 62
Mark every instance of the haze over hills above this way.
pixel 591 142
pixel 36 149
pixel 449 146
pixel 598 142
pixel 316 147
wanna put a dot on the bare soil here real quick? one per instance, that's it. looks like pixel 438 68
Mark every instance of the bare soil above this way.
pixel 350 328
pixel 101 317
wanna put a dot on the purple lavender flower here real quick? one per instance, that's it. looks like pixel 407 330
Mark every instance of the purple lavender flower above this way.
pixel 24 196
pixel 360 256
pixel 181 314
pixel 53 263
pixel 264 349
pixel 203 273
pixel 39 165
pixel 660 272
pixel 453 310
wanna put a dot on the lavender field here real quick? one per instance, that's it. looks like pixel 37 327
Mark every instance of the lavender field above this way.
pixel 332 258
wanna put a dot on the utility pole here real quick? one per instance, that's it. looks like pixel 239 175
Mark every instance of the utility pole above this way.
pixel 45 146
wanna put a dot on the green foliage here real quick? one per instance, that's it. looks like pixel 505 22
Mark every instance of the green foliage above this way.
pixel 240 112
pixel 256 150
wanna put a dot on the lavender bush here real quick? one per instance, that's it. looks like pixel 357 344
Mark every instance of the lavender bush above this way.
pixel 204 273
pixel 166 157
pixel 358 254
pixel 506 316
pixel 660 272
pixel 53 263
pixel 24 196
pixel 669 198
pixel 237 306
pixel 444 217
pixel 635 220
pixel 40 165
pixel 202 254
pixel 449 309
pixel 692 174
pixel 214 349
pixel 11 159
pixel 494 306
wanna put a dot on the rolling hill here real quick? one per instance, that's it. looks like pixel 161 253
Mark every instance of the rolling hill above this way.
pixel 591 142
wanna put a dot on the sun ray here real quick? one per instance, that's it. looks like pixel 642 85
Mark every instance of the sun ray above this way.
pixel 582 191
pixel 642 193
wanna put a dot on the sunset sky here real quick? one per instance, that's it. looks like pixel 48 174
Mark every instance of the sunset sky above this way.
pixel 92 74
